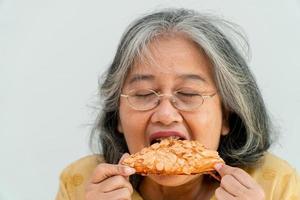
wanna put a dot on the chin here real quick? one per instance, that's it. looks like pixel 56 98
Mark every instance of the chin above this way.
pixel 172 180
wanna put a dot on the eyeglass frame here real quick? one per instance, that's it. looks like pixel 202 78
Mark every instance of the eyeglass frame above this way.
pixel 173 101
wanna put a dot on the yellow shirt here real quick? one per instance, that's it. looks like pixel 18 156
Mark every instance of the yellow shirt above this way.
pixel 278 179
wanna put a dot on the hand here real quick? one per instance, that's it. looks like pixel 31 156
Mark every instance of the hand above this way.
pixel 110 182
pixel 237 184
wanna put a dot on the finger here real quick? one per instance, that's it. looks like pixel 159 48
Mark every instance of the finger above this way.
pixel 122 193
pixel 125 155
pixel 104 171
pixel 242 176
pixel 233 186
pixel 221 194
pixel 114 183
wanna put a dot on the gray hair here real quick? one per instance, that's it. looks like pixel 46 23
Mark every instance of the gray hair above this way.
pixel 226 48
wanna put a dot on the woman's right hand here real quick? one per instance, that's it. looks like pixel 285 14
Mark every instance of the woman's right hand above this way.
pixel 110 182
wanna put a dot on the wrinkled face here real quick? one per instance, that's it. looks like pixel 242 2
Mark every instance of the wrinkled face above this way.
pixel 177 64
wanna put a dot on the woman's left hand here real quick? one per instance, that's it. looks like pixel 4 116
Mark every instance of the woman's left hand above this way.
pixel 237 184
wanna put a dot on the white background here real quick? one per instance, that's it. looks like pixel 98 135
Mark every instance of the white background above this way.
pixel 52 52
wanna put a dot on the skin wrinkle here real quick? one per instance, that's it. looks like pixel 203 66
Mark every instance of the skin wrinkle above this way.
pixel 148 77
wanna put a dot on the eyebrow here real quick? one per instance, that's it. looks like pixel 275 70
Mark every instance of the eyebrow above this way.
pixel 141 77
pixel 195 77
pixel 149 77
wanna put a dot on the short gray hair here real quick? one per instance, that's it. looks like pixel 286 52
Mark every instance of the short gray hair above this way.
pixel 224 45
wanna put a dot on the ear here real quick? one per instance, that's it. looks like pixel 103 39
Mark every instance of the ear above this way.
pixel 225 124
pixel 120 128
pixel 225 128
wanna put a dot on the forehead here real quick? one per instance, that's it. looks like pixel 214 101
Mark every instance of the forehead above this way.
pixel 173 57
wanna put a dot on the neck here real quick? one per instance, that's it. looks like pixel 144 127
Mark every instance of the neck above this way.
pixel 199 188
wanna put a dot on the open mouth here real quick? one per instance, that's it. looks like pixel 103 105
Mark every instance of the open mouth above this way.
pixel 159 139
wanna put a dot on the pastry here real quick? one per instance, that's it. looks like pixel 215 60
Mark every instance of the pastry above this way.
pixel 172 156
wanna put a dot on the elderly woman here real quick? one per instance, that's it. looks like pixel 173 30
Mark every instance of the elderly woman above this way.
pixel 180 72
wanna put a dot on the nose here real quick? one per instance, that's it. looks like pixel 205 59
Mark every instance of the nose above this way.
pixel 165 113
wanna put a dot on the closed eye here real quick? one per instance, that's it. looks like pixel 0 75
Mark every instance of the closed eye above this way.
pixel 143 95
pixel 188 94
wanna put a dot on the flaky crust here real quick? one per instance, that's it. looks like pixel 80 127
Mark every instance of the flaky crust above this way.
pixel 174 157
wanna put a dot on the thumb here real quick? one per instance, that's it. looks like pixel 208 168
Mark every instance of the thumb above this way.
pixel 123 157
pixel 224 169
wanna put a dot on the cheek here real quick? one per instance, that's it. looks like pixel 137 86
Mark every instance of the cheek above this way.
pixel 133 127
pixel 206 127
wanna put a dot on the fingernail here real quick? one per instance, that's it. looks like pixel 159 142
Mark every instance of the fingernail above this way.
pixel 218 166
pixel 129 170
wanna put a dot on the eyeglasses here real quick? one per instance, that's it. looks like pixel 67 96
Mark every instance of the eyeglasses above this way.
pixel 184 100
